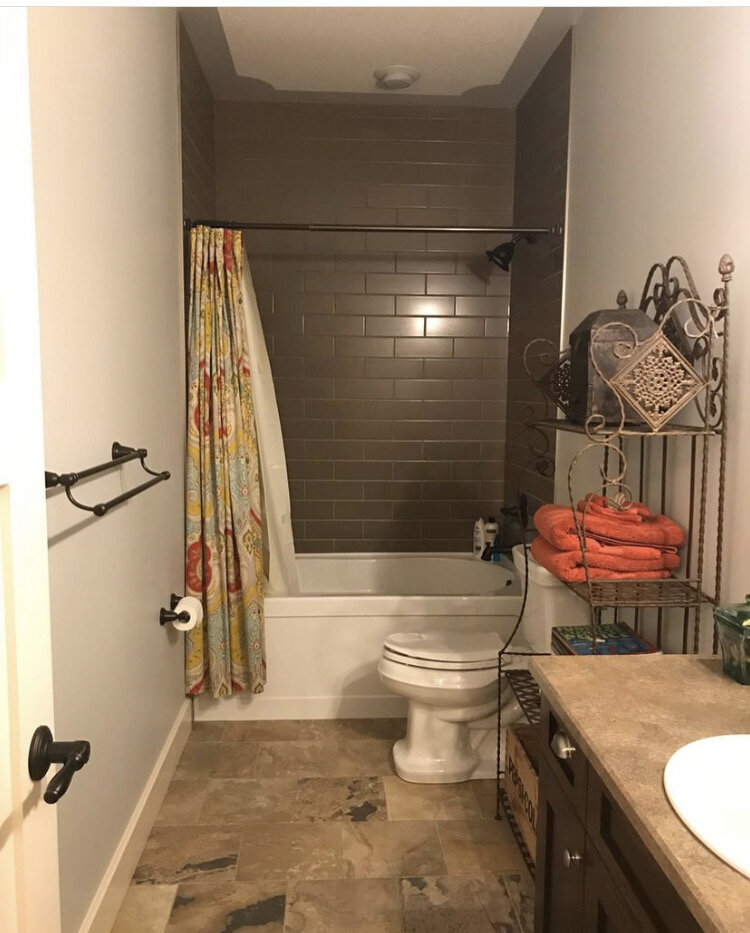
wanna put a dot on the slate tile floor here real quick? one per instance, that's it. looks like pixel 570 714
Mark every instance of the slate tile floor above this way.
pixel 303 827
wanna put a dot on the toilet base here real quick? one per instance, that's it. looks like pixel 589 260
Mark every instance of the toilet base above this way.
pixel 440 750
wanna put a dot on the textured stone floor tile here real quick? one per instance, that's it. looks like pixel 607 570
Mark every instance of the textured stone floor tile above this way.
pixel 237 801
pixel 347 730
pixel 486 795
pixel 443 905
pixel 495 898
pixel 391 850
pixel 479 846
pixel 365 757
pixel 291 850
pixel 182 803
pixel 176 854
pixel 256 906
pixel 145 909
pixel 352 800
pixel 217 759
pixel 264 730
pixel 430 801
pixel 520 888
pixel 208 731
pixel 298 759
pixel 365 905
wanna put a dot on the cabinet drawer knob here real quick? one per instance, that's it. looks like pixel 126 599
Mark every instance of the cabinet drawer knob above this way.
pixel 572 859
pixel 561 746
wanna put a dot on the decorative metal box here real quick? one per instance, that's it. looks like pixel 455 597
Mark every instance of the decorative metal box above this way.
pixel 615 332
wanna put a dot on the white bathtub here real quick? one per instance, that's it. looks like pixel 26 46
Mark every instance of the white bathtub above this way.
pixel 323 646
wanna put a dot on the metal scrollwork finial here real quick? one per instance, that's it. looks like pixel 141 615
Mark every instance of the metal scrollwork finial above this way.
pixel 726 267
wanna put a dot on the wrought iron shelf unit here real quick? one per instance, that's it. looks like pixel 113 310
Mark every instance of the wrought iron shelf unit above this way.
pixel 674 592
pixel 679 368
pixel 526 691
pixel 629 430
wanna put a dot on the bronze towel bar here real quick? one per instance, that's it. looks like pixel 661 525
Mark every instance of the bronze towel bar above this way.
pixel 120 455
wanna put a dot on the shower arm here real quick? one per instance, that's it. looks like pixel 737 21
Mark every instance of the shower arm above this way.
pixel 554 230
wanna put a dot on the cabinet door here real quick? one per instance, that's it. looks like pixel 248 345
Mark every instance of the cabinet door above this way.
pixel 650 896
pixel 560 858
pixel 604 910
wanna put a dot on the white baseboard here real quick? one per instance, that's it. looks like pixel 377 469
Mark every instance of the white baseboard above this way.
pixel 107 901
pixel 248 707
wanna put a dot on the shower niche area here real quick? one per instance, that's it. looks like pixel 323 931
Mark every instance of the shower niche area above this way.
pixel 396 354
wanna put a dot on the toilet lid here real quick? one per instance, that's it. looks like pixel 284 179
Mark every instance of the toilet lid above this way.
pixel 448 647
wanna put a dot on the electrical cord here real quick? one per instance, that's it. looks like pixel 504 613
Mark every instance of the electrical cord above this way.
pixel 523 513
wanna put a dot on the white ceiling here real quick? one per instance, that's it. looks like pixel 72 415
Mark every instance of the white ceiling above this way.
pixel 337 49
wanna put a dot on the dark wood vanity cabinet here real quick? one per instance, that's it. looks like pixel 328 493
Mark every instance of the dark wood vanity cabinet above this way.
pixel 594 874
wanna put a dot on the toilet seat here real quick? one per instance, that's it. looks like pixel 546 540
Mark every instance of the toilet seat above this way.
pixel 444 651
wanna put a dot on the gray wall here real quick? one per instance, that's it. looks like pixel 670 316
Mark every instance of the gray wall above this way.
pixel 536 294
pixel 197 121
pixel 389 352
pixel 107 193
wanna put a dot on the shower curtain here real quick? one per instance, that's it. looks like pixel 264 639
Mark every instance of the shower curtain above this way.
pixel 223 525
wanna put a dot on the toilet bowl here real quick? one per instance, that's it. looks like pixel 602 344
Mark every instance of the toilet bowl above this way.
pixel 451 682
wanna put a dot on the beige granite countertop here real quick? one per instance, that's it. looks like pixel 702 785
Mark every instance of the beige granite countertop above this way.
pixel 630 714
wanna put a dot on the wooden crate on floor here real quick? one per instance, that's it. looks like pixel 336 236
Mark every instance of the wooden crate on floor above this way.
pixel 521 779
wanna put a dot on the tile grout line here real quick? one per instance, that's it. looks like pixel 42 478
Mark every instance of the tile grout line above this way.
pixel 442 847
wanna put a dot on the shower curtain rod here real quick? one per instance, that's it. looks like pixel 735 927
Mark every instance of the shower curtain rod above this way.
pixel 554 230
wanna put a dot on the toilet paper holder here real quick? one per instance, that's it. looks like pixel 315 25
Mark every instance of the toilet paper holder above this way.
pixel 169 615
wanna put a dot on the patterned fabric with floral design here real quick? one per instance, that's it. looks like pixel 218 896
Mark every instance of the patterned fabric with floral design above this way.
pixel 223 527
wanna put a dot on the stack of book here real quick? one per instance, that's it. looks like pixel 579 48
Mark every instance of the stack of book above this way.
pixel 616 638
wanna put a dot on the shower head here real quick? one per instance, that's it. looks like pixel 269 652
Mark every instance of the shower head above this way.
pixel 502 254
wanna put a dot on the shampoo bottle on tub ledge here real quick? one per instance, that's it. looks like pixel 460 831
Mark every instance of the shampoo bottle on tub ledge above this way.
pixel 490 530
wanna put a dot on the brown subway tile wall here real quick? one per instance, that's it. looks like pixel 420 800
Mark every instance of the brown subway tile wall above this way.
pixel 389 351
pixel 197 118
pixel 536 295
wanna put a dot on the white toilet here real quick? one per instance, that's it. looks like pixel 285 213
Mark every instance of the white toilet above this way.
pixel 450 679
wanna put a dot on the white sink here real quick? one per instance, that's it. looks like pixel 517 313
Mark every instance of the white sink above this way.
pixel 708 784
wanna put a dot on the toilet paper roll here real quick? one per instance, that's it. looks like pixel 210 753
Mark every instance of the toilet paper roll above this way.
pixel 194 608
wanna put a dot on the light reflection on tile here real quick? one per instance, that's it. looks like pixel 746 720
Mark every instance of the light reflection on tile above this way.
pixel 182 803
pixel 145 909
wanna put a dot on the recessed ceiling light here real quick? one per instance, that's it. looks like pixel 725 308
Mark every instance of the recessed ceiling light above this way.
pixel 396 77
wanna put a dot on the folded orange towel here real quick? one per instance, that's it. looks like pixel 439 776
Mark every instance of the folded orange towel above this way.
pixel 635 526
pixel 604 562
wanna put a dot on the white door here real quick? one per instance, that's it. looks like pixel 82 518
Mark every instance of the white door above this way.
pixel 29 886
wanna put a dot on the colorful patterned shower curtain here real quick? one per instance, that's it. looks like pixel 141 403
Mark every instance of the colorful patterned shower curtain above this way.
pixel 223 540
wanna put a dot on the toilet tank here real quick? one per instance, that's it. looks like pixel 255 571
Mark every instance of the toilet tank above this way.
pixel 549 603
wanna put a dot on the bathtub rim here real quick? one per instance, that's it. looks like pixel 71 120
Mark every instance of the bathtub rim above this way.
pixel 379 604
pixel 354 606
